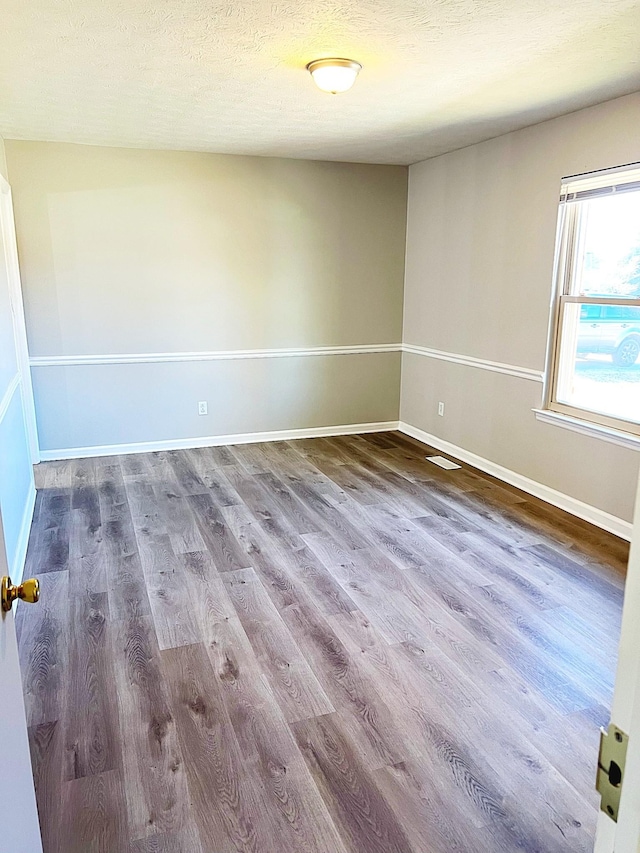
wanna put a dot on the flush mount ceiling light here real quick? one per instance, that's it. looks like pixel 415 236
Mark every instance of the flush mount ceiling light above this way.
pixel 334 75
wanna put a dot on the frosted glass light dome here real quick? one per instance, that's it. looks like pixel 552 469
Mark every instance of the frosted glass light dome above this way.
pixel 334 75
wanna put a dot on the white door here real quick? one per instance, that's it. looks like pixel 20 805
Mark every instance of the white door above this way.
pixel 624 836
pixel 19 828
pixel 14 352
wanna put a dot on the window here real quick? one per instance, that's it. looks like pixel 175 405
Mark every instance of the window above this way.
pixel 594 358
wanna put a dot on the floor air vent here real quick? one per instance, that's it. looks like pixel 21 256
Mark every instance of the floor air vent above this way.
pixel 443 463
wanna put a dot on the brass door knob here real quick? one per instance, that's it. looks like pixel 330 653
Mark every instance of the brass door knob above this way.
pixel 27 591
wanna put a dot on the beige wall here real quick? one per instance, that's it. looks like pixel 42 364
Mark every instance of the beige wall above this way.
pixel 480 246
pixel 129 251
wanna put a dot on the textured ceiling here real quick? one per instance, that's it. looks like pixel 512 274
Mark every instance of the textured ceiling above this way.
pixel 229 77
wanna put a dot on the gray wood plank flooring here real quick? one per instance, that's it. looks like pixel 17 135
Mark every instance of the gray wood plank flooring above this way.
pixel 317 646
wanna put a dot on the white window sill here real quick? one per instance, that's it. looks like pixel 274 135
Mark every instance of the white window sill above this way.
pixel 615 436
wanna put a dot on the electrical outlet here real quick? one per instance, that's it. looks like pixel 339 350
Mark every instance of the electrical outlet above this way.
pixel 203 408
pixel 441 409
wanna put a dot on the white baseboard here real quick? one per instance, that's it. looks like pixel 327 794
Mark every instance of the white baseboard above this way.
pixel 215 440
pixel 17 567
pixel 600 518
pixel 586 512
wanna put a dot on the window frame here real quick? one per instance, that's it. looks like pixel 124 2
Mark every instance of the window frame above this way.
pixel 565 264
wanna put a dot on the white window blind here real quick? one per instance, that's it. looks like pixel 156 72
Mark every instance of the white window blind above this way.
pixel 598 184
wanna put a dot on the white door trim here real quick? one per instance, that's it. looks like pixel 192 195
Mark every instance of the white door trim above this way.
pixel 624 837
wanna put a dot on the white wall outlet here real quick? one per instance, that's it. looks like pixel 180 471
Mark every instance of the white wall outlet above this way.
pixel 203 409
pixel 441 409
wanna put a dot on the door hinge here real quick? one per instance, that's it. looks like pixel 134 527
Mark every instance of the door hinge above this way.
pixel 611 761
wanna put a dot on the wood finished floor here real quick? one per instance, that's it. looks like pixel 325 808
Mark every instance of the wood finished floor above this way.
pixel 328 646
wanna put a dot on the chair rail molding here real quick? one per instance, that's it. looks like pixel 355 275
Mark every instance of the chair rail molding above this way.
pixel 7 397
pixel 472 361
pixel 285 352
pixel 209 355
